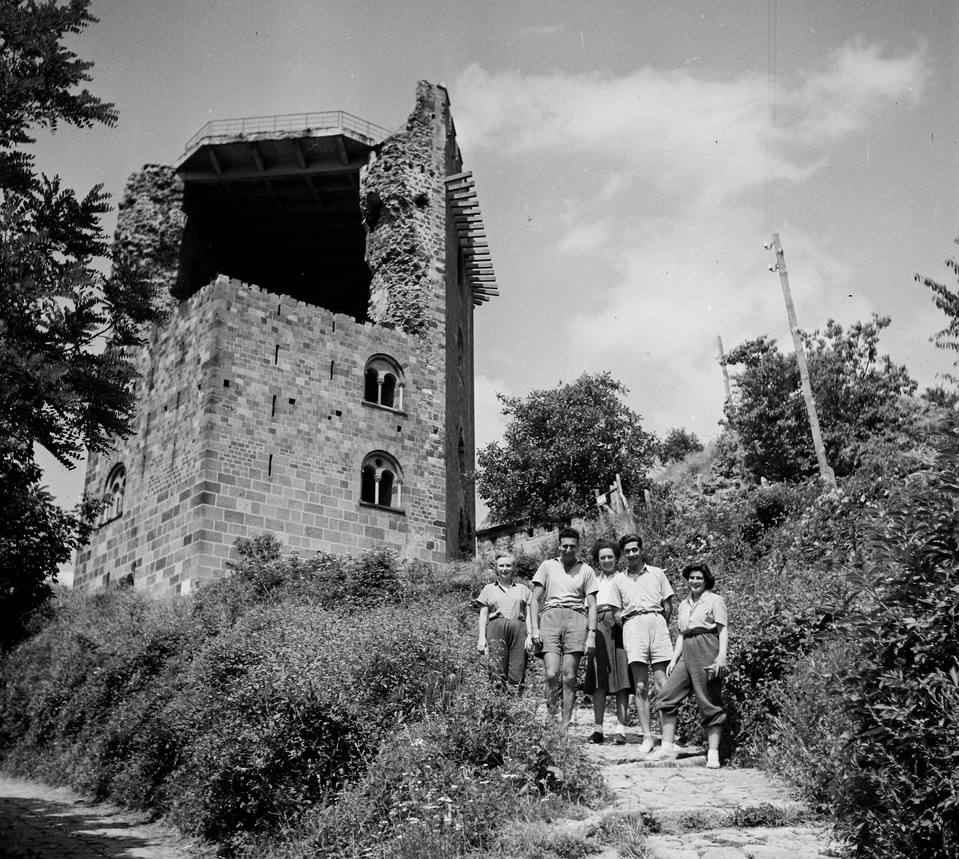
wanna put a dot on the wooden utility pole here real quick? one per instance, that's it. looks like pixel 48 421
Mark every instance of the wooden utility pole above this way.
pixel 825 472
pixel 725 369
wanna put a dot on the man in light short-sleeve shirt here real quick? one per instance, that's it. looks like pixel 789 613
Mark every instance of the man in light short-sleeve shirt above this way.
pixel 646 598
pixel 563 621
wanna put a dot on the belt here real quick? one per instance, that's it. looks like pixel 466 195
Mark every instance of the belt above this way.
pixel 644 611
pixel 694 632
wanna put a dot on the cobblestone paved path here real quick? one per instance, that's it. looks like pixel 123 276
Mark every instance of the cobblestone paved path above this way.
pixel 691 812
pixel 42 822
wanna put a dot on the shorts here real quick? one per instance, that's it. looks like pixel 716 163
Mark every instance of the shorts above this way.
pixel 646 639
pixel 562 630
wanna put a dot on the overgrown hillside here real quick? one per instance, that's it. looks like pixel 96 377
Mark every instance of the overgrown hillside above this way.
pixel 332 706
pixel 844 608
pixel 336 706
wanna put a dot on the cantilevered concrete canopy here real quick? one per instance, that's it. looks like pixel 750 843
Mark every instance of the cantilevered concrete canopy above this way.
pixel 274 201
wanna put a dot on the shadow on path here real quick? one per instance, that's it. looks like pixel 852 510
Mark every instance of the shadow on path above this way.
pixel 42 822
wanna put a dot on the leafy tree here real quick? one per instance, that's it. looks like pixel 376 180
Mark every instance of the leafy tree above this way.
pixel 941 397
pixel 37 536
pixel 857 395
pixel 948 302
pixel 65 327
pixel 678 444
pixel 559 446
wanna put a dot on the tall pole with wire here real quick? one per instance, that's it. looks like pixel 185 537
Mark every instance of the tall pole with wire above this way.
pixel 825 472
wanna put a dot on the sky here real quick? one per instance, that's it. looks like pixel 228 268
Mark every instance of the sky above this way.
pixel 631 161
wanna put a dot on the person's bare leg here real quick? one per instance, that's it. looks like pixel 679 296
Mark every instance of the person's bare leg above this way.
pixel 640 675
pixel 599 710
pixel 713 734
pixel 669 728
pixel 622 705
pixel 570 667
pixel 659 675
pixel 553 667
pixel 659 681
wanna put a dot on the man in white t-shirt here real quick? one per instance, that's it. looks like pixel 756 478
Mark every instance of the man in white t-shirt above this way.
pixel 563 621
pixel 646 598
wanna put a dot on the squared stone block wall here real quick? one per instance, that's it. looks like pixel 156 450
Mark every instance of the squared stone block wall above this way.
pixel 256 422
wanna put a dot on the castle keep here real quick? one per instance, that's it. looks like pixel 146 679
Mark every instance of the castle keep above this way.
pixel 315 379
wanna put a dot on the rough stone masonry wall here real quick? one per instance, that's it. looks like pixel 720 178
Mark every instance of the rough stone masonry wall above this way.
pixel 398 201
pixel 150 223
pixel 412 250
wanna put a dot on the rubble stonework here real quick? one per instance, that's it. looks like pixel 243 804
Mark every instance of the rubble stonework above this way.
pixel 398 199
pixel 252 415
pixel 150 219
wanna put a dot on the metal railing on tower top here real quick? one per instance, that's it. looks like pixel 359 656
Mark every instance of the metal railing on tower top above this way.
pixel 325 120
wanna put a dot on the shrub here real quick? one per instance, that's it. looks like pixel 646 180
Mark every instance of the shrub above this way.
pixel 807 738
pixel 249 707
pixel 444 786
pixel 897 792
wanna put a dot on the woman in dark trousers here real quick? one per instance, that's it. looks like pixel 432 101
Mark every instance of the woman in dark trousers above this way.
pixel 503 625
pixel 698 664
pixel 607 671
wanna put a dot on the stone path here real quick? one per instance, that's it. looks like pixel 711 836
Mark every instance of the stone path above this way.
pixel 690 812
pixel 42 822
pixel 686 811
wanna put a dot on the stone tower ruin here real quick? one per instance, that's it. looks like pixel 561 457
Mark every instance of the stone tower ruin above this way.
pixel 315 379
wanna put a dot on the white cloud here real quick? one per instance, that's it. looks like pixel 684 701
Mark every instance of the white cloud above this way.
pixel 660 176
pixel 858 82
pixel 490 421
pixel 697 140
pixel 582 238
pixel 543 30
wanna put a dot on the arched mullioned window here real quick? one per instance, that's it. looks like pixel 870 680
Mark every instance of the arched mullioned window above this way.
pixel 383 382
pixel 381 480
pixel 115 489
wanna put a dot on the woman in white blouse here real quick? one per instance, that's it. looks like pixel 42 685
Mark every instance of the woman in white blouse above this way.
pixel 698 664
pixel 607 669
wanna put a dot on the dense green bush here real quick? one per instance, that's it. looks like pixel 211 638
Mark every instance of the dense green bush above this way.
pixel 246 709
pixel 898 790
pixel 444 787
